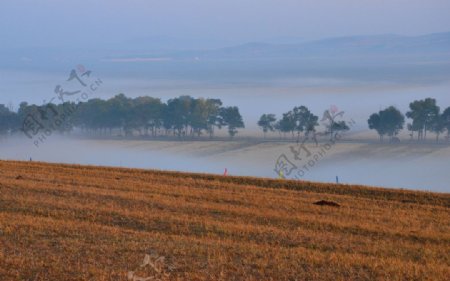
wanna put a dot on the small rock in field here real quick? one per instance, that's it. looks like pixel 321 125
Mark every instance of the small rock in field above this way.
pixel 327 203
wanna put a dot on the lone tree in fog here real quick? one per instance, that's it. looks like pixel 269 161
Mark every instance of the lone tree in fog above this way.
pixel 337 127
pixel 231 118
pixel 387 122
pixel 425 114
pixel 267 123
pixel 446 121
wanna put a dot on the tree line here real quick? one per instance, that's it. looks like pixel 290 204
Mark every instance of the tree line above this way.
pixel 425 114
pixel 147 116
pixel 187 116
pixel 426 117
pixel 301 121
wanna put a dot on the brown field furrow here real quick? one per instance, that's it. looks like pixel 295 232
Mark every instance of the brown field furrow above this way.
pixel 276 214
pixel 71 222
pixel 224 195
pixel 162 220
pixel 88 232
pixel 357 191
pixel 260 260
pixel 210 211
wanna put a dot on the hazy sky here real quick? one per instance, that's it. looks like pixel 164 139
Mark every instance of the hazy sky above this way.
pixel 83 22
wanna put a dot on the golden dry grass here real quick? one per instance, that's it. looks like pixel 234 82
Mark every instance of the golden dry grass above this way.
pixel 70 222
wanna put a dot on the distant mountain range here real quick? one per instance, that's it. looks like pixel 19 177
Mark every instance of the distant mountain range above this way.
pixel 432 44
pixel 387 48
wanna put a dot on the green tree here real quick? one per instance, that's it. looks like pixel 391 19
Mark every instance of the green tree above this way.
pixel 96 114
pixel 287 123
pixel 375 124
pixel 267 123
pixel 177 115
pixel 305 121
pixel 231 118
pixel 424 114
pixel 148 114
pixel 339 126
pixel 387 122
pixel 199 116
pixel 446 121
pixel 9 120
pixel 330 116
pixel 438 126
pixel 213 109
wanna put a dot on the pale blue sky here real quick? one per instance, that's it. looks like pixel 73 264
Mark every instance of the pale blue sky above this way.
pixel 83 22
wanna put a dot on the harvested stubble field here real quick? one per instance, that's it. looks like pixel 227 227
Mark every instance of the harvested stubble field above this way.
pixel 70 222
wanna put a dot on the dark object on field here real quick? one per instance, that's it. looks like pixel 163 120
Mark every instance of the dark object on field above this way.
pixel 327 203
pixel 19 177
pixel 117 178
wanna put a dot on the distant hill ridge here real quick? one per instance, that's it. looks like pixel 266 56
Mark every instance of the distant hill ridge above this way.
pixel 437 43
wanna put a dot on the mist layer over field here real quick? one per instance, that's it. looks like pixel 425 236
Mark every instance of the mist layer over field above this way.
pixel 359 88
pixel 256 86
pixel 413 166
